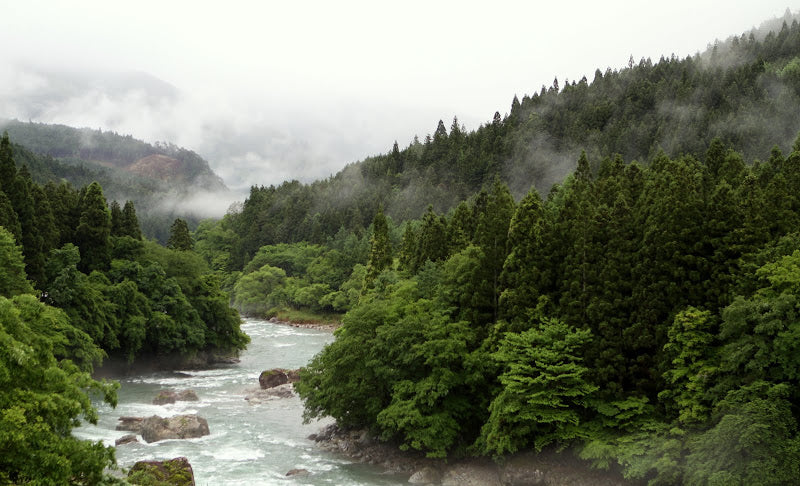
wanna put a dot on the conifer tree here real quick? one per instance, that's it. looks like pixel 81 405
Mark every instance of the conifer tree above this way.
pixel 179 236
pixel 432 238
pixel 380 255
pixel 523 273
pixel 8 217
pixel 32 242
pixel 93 231
pixel 409 249
pixel 130 223
pixel 577 231
pixel 461 227
pixel 65 204
pixel 492 236
pixel 13 279
pixel 116 218
pixel 45 219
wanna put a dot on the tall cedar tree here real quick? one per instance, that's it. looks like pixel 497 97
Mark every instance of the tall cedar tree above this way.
pixel 94 230
pixel 179 236
pixel 130 223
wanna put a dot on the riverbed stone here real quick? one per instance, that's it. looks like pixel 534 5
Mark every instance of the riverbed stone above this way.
pixel 277 377
pixel 169 396
pixel 126 439
pixel 256 396
pixel 298 472
pixel 155 428
pixel 177 472
pixel 130 424
pixel 272 378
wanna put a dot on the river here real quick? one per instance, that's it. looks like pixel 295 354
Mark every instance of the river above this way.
pixel 249 444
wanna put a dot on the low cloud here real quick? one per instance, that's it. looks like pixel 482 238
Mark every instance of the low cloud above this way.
pixel 247 138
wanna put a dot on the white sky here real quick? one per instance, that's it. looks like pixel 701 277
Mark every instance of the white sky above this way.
pixel 297 89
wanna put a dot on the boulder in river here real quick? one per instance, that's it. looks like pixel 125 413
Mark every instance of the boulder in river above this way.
pixel 126 439
pixel 176 472
pixel 169 396
pixel 297 472
pixel 277 377
pixel 131 424
pixel 155 428
pixel 256 396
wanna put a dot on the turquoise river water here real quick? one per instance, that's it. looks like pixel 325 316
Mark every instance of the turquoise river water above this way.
pixel 249 444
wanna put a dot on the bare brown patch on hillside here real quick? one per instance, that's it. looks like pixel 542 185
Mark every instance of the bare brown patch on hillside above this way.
pixel 159 167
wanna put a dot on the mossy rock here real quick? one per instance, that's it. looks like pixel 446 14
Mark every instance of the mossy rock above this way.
pixel 173 472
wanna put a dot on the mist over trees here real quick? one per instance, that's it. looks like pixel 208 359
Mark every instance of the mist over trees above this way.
pixel 609 268
pixel 163 180
pixel 742 91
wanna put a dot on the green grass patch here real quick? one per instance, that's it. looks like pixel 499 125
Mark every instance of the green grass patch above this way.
pixel 305 316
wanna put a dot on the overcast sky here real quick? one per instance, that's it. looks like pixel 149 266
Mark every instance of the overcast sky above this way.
pixel 269 91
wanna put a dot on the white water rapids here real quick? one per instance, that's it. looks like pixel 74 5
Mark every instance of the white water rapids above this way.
pixel 249 444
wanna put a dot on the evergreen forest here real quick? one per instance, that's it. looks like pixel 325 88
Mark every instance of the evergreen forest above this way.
pixel 611 270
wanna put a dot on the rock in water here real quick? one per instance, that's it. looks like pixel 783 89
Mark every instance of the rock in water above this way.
pixel 257 396
pixel 126 439
pixel 273 378
pixel 176 472
pixel 155 428
pixel 297 472
pixel 169 396
pixel 188 396
pixel 131 424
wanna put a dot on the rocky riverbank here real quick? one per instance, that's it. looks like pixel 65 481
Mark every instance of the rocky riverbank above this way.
pixel 321 326
pixel 546 468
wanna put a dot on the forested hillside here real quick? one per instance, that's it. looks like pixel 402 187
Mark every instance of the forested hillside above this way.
pixel 79 285
pixel 745 91
pixel 157 178
pixel 640 312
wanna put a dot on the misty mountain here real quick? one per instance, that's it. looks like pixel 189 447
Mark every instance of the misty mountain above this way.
pixel 162 161
pixel 164 181
pixel 744 91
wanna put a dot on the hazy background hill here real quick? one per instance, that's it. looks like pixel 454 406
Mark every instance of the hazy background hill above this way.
pixel 163 180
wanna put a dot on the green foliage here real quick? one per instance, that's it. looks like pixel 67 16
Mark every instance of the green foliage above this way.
pixel 754 440
pixel 761 332
pixel 13 279
pixel 522 278
pixel 94 230
pixel 179 237
pixel 129 224
pixel 693 370
pixel 543 389
pixel 43 393
pixel 255 292
pixel 380 255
